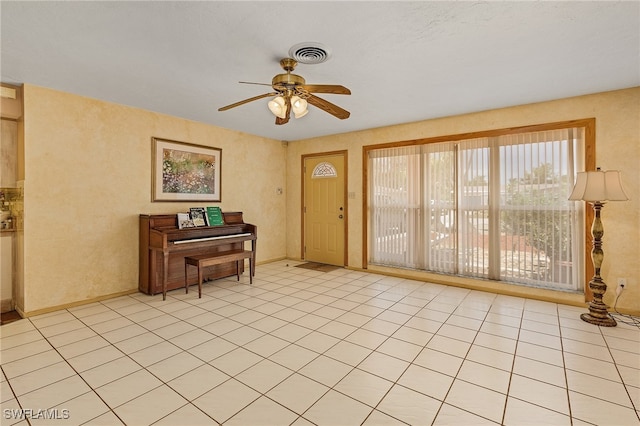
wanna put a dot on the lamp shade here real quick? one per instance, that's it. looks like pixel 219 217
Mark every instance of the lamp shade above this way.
pixel 598 186
pixel 278 107
pixel 299 106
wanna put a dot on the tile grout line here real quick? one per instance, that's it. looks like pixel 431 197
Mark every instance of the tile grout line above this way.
pixel 564 370
pixel 513 364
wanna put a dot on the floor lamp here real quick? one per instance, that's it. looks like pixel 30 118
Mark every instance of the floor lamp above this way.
pixel 596 188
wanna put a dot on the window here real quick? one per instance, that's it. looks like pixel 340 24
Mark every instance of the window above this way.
pixel 324 170
pixel 491 206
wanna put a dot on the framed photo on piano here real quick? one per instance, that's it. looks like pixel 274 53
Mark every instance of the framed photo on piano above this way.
pixel 185 172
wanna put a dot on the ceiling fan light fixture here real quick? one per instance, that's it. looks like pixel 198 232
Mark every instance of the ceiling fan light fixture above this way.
pixel 300 114
pixel 293 94
pixel 278 107
pixel 299 106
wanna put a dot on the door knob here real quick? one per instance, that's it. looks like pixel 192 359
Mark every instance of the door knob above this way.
pixel 340 217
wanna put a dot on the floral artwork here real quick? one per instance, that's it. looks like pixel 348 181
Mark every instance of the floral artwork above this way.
pixel 185 172
pixel 188 173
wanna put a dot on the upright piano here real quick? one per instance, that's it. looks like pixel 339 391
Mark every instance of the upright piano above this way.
pixel 163 247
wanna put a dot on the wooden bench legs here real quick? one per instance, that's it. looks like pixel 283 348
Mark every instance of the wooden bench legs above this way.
pixel 204 260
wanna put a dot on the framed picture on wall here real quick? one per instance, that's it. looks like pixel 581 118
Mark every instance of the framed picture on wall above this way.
pixel 185 172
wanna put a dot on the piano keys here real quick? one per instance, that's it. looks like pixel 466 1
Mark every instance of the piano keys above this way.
pixel 221 237
pixel 163 247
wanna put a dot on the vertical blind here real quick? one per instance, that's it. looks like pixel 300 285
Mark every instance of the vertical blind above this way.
pixel 492 208
pixel 391 199
pixel 440 207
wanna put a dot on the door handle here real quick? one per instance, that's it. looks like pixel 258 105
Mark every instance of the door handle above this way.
pixel 340 217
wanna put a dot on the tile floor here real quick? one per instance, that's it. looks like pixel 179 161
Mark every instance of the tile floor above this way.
pixel 328 348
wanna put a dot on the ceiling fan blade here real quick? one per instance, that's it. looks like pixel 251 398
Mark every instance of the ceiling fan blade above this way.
pixel 255 98
pixel 287 114
pixel 251 82
pixel 326 88
pixel 327 106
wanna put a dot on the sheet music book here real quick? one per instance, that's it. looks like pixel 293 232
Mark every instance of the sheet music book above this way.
pixel 198 215
pixel 184 221
pixel 214 216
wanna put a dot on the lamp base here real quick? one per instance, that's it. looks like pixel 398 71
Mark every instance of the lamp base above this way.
pixel 606 321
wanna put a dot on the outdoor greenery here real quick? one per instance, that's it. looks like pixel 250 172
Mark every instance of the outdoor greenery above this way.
pixel 543 227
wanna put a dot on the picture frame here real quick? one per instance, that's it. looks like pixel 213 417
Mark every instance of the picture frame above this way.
pixel 184 171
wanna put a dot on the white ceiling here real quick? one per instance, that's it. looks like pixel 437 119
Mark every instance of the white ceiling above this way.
pixel 403 61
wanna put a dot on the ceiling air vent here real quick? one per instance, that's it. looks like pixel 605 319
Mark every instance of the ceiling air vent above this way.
pixel 310 53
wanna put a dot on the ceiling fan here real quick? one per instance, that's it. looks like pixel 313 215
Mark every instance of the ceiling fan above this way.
pixel 292 95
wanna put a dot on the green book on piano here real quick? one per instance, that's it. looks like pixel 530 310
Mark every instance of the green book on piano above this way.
pixel 214 216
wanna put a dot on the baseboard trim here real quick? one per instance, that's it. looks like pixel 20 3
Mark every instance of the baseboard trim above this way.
pixel 73 304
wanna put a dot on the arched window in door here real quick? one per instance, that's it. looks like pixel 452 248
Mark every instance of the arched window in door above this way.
pixel 324 170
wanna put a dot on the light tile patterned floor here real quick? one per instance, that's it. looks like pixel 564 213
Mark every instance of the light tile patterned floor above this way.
pixel 328 348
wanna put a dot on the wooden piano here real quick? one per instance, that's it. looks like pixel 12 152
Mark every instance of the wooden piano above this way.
pixel 163 248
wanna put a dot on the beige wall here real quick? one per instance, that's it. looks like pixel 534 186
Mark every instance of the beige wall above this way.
pixel 88 177
pixel 8 153
pixel 617 117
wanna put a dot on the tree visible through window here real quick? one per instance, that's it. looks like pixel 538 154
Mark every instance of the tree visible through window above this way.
pixel 489 207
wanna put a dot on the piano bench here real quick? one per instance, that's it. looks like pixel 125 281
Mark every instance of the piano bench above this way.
pixel 202 261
